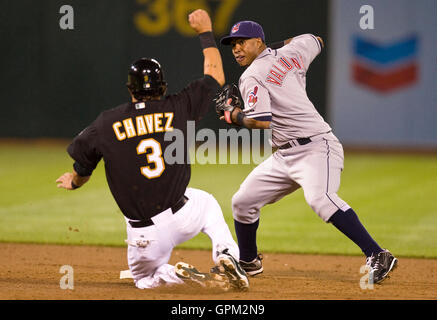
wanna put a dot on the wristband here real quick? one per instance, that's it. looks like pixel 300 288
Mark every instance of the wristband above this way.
pixel 207 40
pixel 73 185
pixel 240 118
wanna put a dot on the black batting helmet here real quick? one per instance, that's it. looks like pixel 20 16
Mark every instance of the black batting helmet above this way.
pixel 145 79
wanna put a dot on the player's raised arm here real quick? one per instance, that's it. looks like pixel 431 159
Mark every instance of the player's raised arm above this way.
pixel 201 22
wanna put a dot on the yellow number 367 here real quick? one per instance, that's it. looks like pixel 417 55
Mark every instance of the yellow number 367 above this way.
pixel 158 16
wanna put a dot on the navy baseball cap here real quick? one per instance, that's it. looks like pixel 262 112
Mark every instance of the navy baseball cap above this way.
pixel 244 29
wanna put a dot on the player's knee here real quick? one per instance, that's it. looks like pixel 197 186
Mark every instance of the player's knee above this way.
pixel 240 203
pixel 244 210
pixel 321 204
pixel 314 201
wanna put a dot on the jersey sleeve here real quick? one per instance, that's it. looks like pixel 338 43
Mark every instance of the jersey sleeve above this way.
pixel 197 97
pixel 307 46
pixel 256 100
pixel 84 148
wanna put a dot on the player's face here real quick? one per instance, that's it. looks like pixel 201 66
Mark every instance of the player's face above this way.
pixel 245 50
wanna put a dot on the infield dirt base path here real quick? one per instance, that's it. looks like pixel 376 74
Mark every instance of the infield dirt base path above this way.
pixel 30 271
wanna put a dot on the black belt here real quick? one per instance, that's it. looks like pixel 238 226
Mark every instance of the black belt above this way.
pixel 148 222
pixel 301 141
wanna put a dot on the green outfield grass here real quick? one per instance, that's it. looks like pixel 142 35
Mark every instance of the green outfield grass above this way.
pixel 394 196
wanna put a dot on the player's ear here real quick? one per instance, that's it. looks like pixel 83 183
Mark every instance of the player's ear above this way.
pixel 259 42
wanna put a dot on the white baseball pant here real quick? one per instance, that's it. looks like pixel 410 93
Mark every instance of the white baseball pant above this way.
pixel 150 248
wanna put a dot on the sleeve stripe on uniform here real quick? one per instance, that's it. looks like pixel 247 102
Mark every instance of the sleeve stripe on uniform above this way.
pixel 263 118
pixel 260 114
pixel 318 42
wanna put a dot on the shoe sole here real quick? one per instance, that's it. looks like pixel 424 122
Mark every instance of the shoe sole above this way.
pixel 255 272
pixel 181 267
pixel 393 266
pixel 239 280
pixel 183 271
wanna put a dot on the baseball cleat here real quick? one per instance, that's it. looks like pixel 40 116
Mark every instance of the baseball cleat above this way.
pixel 216 270
pixel 253 267
pixel 232 269
pixel 190 275
pixel 381 266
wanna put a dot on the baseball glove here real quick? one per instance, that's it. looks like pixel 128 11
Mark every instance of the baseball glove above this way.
pixel 226 101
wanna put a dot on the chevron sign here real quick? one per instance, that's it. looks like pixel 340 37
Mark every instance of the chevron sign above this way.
pixel 385 67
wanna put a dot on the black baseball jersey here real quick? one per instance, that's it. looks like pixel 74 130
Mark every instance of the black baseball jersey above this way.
pixel 130 139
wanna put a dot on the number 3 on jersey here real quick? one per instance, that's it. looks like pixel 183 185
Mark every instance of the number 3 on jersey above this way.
pixel 154 157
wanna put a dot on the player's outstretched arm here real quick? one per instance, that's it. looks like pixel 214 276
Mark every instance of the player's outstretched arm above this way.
pixel 201 22
pixel 280 44
pixel 71 180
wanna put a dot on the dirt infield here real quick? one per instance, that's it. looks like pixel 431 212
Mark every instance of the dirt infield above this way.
pixel 33 272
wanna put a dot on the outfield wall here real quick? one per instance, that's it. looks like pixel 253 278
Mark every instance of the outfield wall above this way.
pixel 382 73
pixel 55 81
pixel 374 84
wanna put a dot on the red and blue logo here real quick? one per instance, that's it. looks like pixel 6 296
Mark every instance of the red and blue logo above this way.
pixel 385 67
pixel 252 100
pixel 235 28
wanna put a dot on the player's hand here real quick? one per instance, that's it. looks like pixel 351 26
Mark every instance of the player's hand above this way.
pixel 231 116
pixel 200 21
pixel 226 101
pixel 64 181
pixel 234 113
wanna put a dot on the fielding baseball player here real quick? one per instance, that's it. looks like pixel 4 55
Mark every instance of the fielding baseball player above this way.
pixel 308 154
pixel 160 211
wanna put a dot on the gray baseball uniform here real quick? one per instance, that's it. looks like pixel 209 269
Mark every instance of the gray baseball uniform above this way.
pixel 274 86
pixel 308 154
pixel 275 83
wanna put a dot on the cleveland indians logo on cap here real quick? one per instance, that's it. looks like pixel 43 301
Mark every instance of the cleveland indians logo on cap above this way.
pixel 235 28
pixel 251 101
